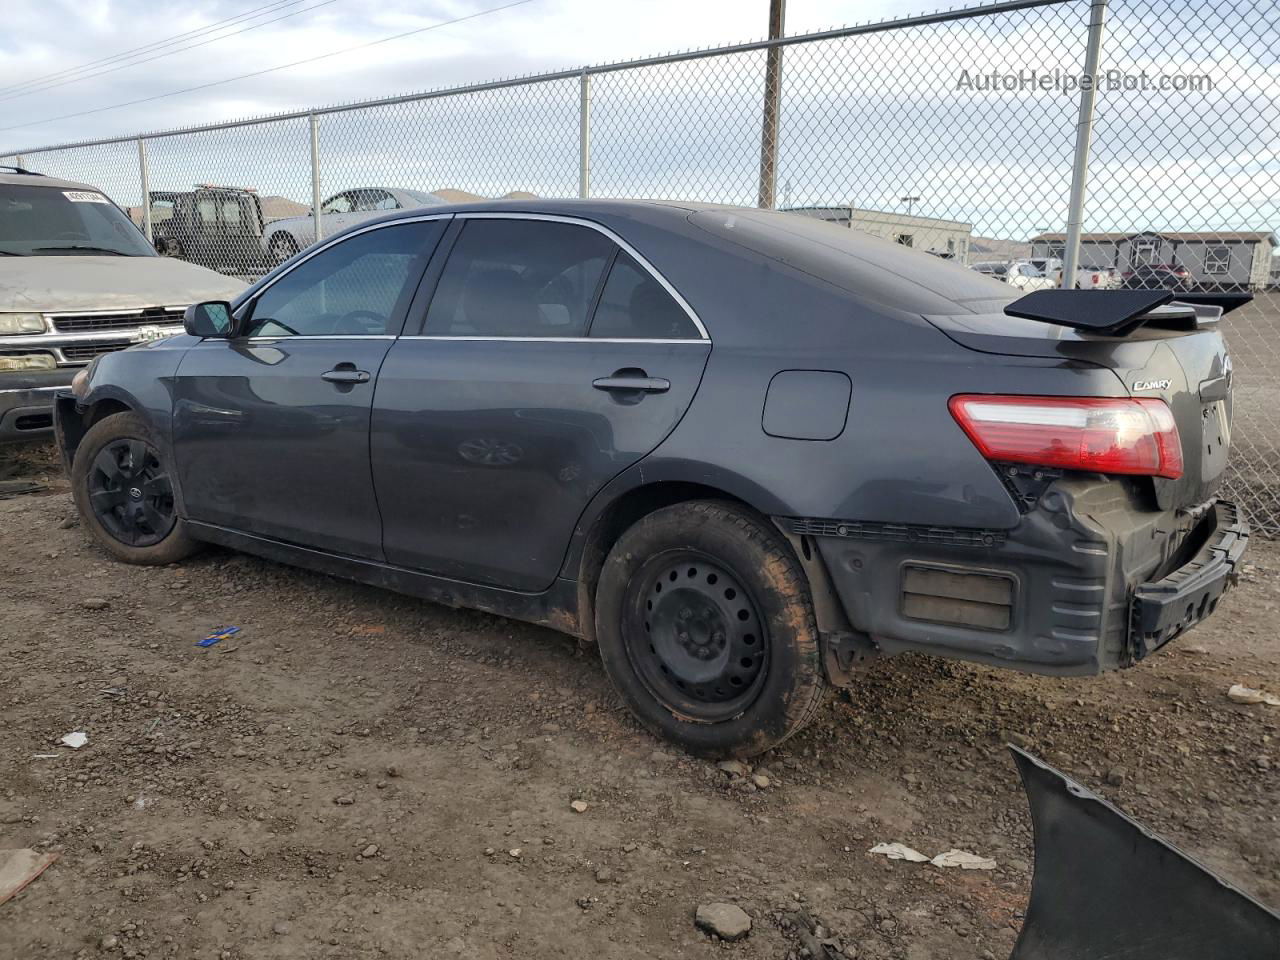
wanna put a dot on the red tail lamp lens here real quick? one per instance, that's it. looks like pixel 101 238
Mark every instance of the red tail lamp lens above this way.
pixel 1094 434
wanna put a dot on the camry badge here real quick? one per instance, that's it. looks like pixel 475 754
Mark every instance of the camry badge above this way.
pixel 1151 384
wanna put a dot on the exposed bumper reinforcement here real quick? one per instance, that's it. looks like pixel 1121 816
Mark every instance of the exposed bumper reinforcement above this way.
pixel 1165 608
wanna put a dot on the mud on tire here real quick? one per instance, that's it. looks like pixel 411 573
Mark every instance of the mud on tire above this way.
pixel 705 626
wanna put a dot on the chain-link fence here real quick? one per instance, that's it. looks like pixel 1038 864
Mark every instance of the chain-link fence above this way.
pixel 956 133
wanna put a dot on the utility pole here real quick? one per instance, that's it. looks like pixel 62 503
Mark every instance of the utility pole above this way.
pixel 772 93
pixel 1084 131
pixel 910 202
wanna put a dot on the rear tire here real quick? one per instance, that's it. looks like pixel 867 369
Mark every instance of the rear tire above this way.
pixel 706 628
pixel 124 493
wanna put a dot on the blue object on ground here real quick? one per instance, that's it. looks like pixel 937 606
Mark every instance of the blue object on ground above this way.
pixel 221 633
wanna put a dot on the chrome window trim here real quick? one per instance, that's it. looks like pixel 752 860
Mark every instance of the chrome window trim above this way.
pixel 601 229
pixel 290 336
pixel 554 339
pixel 495 215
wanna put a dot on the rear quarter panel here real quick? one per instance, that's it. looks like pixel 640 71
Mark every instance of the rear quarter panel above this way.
pixel 901 458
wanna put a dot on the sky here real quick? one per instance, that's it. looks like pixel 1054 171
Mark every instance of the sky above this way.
pixel 43 37
pixel 866 120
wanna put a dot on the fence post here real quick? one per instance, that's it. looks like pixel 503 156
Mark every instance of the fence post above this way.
pixel 145 174
pixel 1084 132
pixel 772 91
pixel 315 175
pixel 584 135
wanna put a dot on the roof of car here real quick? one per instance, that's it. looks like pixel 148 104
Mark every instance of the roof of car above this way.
pixel 870 267
pixel 33 179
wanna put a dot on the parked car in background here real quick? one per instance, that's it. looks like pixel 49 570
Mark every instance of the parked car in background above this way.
pixel 77 280
pixel 215 226
pixel 283 238
pixel 1087 278
pixel 1162 276
pixel 516 406
pixel 997 269
pixel 1024 275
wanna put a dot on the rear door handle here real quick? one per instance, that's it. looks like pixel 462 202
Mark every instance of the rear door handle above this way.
pixel 345 373
pixel 641 384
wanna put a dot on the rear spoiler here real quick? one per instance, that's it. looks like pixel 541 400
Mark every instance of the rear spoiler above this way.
pixel 1117 313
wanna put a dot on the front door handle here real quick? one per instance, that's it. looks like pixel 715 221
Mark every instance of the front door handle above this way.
pixel 345 373
pixel 632 383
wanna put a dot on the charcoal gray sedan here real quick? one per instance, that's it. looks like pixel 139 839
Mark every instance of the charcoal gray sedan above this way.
pixel 745 453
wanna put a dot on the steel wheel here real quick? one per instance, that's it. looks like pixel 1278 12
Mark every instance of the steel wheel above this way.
pixel 130 493
pixel 695 636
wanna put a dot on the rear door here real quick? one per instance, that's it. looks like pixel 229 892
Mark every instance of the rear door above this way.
pixel 550 360
pixel 271 429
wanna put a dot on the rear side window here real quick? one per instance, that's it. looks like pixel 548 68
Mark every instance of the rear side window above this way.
pixel 635 306
pixel 519 278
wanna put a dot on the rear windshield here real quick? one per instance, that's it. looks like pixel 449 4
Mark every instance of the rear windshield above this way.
pixel 53 222
pixel 877 270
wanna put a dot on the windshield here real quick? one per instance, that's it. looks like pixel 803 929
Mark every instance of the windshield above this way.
pixel 41 221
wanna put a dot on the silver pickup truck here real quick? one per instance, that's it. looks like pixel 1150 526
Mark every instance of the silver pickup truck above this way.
pixel 77 279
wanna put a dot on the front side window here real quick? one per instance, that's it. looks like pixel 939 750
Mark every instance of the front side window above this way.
pixel 1217 260
pixel 356 287
pixel 906 239
pixel 519 278
pixel 635 306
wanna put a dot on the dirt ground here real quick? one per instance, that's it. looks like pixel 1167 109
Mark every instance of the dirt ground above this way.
pixel 357 774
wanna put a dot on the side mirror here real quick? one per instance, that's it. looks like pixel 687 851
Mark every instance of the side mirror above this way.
pixel 209 319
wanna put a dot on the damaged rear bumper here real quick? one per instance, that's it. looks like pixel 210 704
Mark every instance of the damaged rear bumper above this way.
pixel 1093 578
pixel 1164 608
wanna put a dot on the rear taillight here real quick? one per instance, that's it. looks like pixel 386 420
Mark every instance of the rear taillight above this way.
pixel 1096 434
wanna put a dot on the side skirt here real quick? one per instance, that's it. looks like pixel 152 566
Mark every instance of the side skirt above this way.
pixel 555 607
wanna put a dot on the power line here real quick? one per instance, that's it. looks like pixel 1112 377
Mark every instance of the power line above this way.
pixel 283 66
pixel 159 56
pixel 247 15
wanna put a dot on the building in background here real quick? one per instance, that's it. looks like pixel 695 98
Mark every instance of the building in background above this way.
pixel 1230 259
pixel 944 238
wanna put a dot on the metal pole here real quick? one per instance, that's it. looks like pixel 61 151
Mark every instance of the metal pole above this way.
pixel 584 135
pixel 145 174
pixel 1084 132
pixel 315 175
pixel 772 91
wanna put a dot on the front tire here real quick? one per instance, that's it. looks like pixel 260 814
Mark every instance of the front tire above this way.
pixel 706 628
pixel 124 493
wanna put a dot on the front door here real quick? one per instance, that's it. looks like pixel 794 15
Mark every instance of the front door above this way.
pixel 550 361
pixel 271 428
